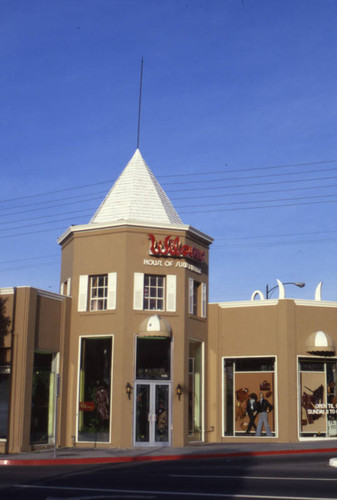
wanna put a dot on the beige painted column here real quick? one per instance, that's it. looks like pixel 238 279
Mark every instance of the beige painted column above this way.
pixel 286 372
pixel 22 374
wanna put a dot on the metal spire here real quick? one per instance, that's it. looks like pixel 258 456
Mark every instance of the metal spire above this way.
pixel 140 100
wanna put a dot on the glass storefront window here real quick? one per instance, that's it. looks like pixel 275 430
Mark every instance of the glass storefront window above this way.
pixel 153 358
pixel 5 381
pixel 318 390
pixel 42 416
pixel 228 395
pixel 94 389
pixel 142 412
pixel 195 391
pixel 249 402
pixel 161 409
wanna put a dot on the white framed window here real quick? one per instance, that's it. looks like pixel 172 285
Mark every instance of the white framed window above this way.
pixel 97 292
pixel 196 390
pixel 317 396
pixel 94 388
pixel 154 292
pixel 244 379
pixel 66 287
pixel 197 301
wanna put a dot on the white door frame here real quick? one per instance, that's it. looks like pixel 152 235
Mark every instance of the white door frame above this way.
pixel 152 413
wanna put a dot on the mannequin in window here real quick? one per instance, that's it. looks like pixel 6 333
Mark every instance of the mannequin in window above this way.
pixel 102 402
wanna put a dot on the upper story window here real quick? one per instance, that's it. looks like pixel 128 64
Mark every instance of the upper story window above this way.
pixel 98 292
pixel 66 287
pixel 152 292
pixel 195 295
pixel 197 303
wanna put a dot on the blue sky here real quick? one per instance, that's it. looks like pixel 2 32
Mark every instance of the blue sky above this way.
pixel 239 116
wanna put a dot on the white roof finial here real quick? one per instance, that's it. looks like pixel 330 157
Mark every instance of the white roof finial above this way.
pixel 318 291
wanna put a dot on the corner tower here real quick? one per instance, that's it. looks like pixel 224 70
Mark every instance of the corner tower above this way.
pixel 138 278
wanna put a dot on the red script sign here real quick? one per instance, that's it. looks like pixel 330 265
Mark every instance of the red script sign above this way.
pixel 174 248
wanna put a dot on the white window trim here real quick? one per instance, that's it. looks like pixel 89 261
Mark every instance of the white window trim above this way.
pixel 302 357
pixel 203 298
pixel 203 382
pixel 190 295
pixel 66 284
pixel 83 293
pixel 78 384
pixel 138 291
pixel 276 431
pixel 112 291
pixel 203 294
pixel 171 293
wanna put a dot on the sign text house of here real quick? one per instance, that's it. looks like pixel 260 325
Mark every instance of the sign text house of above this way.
pixel 173 248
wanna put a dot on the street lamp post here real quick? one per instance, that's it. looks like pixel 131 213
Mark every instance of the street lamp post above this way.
pixel 270 290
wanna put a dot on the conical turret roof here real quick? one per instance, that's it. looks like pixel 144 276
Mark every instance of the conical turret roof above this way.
pixel 135 199
pixel 136 196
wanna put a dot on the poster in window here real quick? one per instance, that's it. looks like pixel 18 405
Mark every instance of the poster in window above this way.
pixel 248 386
pixel 313 399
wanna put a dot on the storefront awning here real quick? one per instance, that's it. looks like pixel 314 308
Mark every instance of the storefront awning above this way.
pixel 155 326
pixel 320 343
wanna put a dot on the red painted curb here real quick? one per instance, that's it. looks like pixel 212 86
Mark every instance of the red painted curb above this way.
pixel 158 458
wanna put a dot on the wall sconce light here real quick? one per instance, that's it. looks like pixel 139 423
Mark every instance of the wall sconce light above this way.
pixel 179 391
pixel 128 390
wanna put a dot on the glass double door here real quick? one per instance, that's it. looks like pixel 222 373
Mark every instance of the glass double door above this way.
pixel 152 414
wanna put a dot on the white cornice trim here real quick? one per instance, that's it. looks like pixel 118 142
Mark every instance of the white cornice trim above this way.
pixel 169 227
pixel 7 291
pixel 42 293
pixel 51 295
pixel 273 302
pixel 247 303
pixel 315 303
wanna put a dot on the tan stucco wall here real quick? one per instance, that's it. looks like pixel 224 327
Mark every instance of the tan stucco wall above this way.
pixel 123 250
pixel 38 322
pixel 274 328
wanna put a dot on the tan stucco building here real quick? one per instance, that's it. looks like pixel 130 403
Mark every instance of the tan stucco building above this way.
pixel 130 353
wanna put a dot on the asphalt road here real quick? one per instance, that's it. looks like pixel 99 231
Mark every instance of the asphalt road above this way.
pixel 299 477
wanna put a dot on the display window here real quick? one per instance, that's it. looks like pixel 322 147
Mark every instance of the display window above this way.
pixel 318 398
pixel 249 397
pixel 153 358
pixel 195 391
pixel 94 408
pixel 42 422
pixel 197 302
pixel 5 381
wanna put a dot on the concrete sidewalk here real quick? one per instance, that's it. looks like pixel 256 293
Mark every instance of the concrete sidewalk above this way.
pixel 92 455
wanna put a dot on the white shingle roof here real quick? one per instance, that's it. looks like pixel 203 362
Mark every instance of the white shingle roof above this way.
pixel 136 196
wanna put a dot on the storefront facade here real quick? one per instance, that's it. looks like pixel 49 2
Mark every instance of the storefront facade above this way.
pixel 139 287
pixel 131 354
pixel 33 333
pixel 283 349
